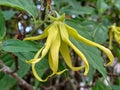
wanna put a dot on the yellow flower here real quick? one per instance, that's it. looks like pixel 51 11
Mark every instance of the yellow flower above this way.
pixel 58 41
pixel 114 33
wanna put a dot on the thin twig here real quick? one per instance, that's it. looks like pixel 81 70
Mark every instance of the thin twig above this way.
pixel 16 63
pixel 7 70
pixel 44 16
pixel 113 75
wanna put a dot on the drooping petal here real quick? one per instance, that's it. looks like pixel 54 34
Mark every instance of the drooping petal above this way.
pixel 116 33
pixel 52 32
pixel 118 29
pixel 64 50
pixel 75 34
pixel 54 67
pixel 36 56
pixel 38 77
pixel 53 59
pixel 65 38
pixel 54 54
pixel 110 39
pixel 38 53
pixel 36 74
pixel 117 37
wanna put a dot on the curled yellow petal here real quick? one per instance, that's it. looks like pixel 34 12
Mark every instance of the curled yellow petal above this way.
pixel 64 50
pixel 36 56
pixel 54 67
pixel 75 34
pixel 53 59
pixel 51 35
pixel 65 38
pixel 36 74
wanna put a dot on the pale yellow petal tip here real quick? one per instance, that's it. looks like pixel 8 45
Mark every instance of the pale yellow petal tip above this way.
pixel 30 61
pixel 62 71
pixel 86 72
pixel 27 38
pixel 27 62
pixel 31 38
pixel 111 58
pixel 110 63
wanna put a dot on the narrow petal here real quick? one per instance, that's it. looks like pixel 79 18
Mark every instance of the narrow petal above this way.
pixel 51 63
pixel 51 35
pixel 36 56
pixel 81 55
pixel 117 37
pixel 54 53
pixel 118 29
pixel 75 34
pixel 64 50
pixel 36 74
pixel 43 35
pixel 38 77
pixel 110 39
pixel 65 38
pixel 54 67
pixel 39 37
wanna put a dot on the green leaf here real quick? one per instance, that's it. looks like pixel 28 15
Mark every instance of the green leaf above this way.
pixel 14 45
pixel 115 87
pixel 26 5
pixel 100 86
pixel 40 67
pixel 25 55
pixel 98 31
pixel 101 6
pixel 2 26
pixel 116 50
pixel 8 14
pixel 82 11
pixel 6 82
pixel 91 74
pixel 75 23
pixel 117 3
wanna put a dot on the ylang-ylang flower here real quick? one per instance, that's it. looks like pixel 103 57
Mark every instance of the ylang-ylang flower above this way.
pixel 114 32
pixel 58 41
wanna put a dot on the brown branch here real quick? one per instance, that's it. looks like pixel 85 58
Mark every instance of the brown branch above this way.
pixel 7 70
pixel 113 75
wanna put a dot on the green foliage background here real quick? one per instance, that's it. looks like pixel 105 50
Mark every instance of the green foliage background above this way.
pixel 91 18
